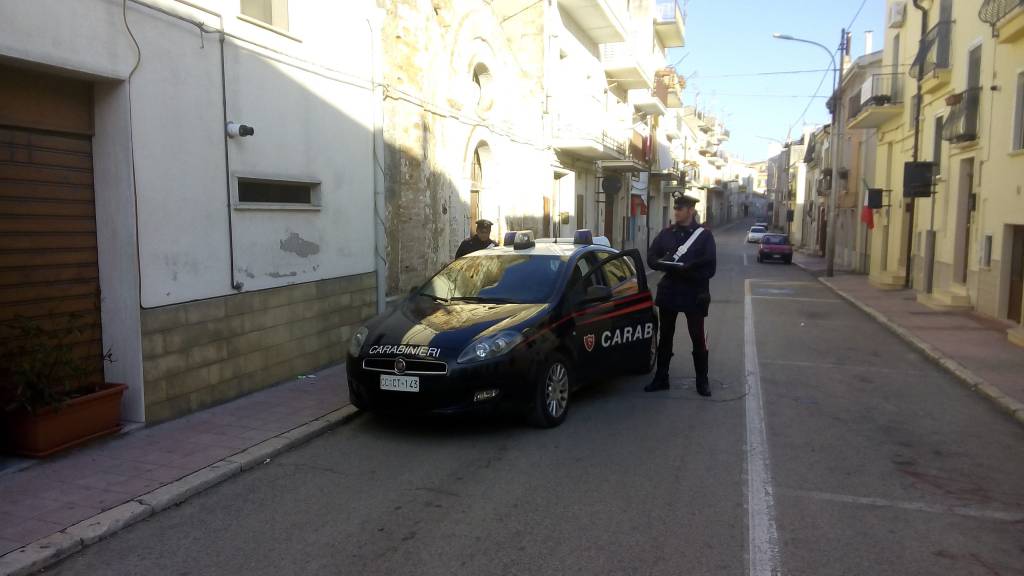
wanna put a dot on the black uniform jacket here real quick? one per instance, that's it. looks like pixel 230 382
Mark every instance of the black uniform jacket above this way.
pixel 472 244
pixel 686 290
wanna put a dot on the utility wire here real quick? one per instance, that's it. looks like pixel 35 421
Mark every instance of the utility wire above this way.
pixel 855 16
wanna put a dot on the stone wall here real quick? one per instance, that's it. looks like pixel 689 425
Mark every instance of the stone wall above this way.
pixel 203 353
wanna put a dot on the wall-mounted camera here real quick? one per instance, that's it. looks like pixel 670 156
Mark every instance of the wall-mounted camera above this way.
pixel 236 130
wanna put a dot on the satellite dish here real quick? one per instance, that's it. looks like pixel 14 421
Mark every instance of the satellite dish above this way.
pixel 611 184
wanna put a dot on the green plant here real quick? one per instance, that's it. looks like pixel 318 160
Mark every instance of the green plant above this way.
pixel 39 367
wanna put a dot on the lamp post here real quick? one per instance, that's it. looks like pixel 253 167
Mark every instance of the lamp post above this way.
pixel 836 137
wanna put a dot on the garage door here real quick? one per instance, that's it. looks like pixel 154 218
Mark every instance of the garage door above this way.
pixel 48 257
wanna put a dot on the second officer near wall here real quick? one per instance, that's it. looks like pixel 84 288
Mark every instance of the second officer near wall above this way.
pixel 685 252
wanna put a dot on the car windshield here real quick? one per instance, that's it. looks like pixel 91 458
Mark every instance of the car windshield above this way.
pixel 757 230
pixel 775 239
pixel 501 278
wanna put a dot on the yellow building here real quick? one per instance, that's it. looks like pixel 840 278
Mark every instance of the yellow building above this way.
pixel 971 90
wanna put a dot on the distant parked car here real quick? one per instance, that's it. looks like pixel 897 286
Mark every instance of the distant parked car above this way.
pixel 756 233
pixel 775 247
pixel 762 224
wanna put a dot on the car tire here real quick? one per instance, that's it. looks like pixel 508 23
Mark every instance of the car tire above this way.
pixel 760 259
pixel 357 399
pixel 648 363
pixel 789 260
pixel 552 390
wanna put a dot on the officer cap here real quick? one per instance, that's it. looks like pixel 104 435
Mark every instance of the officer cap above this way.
pixel 685 202
pixel 483 224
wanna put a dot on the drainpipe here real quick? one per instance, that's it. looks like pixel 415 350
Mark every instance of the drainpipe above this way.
pixel 235 284
pixel 380 240
pixel 917 129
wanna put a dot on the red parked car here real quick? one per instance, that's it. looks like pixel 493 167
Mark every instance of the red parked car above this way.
pixel 775 247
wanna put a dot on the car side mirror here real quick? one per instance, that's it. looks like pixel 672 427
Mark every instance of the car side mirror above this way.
pixel 596 294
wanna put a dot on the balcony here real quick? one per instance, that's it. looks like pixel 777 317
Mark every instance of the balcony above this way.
pixel 669 88
pixel 669 24
pixel 723 135
pixel 1006 18
pixel 647 102
pixel 623 66
pixel 581 134
pixel 931 65
pixel 602 20
pixel 881 100
pixel 961 126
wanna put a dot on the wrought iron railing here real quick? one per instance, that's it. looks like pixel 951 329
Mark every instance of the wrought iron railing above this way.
pixel 962 123
pixel 992 11
pixel 933 53
pixel 667 10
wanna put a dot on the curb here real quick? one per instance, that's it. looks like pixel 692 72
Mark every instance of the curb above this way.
pixel 55 547
pixel 1009 405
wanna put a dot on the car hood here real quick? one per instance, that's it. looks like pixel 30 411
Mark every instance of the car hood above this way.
pixel 419 321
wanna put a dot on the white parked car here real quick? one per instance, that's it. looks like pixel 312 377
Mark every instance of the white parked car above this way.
pixel 756 233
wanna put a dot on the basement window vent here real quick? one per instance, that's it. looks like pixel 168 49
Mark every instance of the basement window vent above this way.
pixel 282 193
pixel 986 252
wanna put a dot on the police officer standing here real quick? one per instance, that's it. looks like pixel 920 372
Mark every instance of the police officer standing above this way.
pixel 478 241
pixel 685 252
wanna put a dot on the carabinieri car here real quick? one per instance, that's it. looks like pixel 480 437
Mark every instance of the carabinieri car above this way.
pixel 527 323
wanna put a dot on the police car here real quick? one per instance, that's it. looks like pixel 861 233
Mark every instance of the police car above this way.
pixel 528 323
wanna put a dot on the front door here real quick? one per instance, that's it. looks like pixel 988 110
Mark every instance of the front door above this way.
pixel 628 337
pixel 1016 306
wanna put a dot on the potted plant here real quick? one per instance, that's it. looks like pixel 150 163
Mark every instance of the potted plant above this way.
pixel 954 99
pixel 51 399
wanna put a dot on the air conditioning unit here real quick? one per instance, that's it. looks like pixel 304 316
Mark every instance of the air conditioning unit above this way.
pixel 897 14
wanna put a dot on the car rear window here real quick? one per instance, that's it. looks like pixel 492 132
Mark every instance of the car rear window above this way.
pixel 517 278
pixel 775 239
pixel 757 230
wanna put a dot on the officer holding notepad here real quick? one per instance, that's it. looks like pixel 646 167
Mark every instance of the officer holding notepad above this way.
pixel 685 252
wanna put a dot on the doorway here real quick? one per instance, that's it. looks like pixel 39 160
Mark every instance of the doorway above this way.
pixel 1015 309
pixel 964 201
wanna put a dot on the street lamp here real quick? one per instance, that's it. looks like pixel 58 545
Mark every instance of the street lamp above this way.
pixel 830 238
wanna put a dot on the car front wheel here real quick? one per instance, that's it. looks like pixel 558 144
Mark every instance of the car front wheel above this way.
pixel 551 394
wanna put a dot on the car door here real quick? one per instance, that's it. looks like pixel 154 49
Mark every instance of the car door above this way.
pixel 586 317
pixel 630 326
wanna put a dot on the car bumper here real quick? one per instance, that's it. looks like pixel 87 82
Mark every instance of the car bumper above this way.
pixel 775 255
pixel 508 378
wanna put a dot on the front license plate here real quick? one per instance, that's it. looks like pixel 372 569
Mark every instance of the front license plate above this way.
pixel 400 383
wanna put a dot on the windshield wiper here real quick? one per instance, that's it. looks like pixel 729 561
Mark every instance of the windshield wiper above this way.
pixel 483 299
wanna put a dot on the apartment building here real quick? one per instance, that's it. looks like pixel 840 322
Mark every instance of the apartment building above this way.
pixel 962 86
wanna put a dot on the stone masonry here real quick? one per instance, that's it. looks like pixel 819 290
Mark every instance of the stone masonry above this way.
pixel 203 353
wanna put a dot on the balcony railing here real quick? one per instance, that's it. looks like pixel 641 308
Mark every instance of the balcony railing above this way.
pixel 962 123
pixel 670 24
pixel 879 90
pixel 992 11
pixel 933 53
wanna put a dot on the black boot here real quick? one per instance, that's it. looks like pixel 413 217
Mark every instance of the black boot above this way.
pixel 700 367
pixel 660 381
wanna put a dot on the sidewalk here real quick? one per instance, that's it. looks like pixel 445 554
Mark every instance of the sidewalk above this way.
pixel 72 500
pixel 974 348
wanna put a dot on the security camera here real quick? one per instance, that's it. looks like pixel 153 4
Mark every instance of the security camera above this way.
pixel 239 130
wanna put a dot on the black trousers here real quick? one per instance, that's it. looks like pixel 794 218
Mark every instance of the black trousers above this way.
pixel 667 330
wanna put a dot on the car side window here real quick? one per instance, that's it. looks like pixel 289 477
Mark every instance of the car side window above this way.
pixel 577 285
pixel 620 274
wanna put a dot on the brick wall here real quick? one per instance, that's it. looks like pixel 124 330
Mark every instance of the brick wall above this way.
pixel 202 353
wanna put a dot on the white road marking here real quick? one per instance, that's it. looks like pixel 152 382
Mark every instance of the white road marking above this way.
pixel 832 300
pixel 916 506
pixel 840 366
pixel 745 263
pixel 763 543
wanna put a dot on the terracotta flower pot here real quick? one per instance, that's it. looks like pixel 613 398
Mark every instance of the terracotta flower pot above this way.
pixel 54 429
pixel 954 99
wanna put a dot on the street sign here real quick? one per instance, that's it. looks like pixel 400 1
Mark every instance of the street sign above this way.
pixel 917 179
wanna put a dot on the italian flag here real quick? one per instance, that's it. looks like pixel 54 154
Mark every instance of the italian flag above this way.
pixel 867 215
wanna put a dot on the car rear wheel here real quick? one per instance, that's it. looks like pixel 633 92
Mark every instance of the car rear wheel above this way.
pixel 551 395
pixel 646 365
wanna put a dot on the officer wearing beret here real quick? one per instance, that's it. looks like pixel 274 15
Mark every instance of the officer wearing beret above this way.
pixel 685 252
pixel 478 241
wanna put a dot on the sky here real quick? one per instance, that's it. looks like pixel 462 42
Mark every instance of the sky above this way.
pixel 734 37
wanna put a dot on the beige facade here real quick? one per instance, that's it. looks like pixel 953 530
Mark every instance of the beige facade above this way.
pixel 969 123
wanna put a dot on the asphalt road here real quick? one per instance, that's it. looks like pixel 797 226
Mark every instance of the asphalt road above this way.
pixel 832 449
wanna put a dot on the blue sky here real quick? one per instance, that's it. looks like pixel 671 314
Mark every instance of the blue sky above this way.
pixel 728 37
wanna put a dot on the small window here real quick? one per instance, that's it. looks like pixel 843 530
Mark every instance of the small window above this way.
pixel 620 274
pixel 482 86
pixel 271 12
pixel 1018 115
pixel 276 192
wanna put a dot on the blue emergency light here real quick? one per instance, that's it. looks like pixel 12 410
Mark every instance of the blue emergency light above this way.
pixel 584 237
pixel 509 239
pixel 523 240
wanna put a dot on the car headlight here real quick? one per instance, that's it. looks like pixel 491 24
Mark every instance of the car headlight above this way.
pixel 490 346
pixel 356 344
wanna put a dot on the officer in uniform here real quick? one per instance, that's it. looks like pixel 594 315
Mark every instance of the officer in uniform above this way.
pixel 478 241
pixel 685 252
